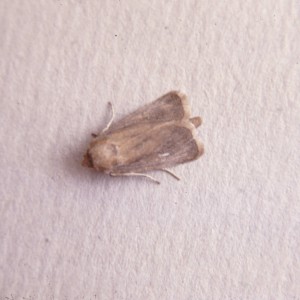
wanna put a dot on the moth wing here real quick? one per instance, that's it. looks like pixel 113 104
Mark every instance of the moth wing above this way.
pixel 169 107
pixel 163 146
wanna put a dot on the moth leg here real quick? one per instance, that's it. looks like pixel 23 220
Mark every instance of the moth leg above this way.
pixel 111 118
pixel 171 173
pixel 135 174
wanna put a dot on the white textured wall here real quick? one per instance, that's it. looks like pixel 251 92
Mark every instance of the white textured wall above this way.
pixel 229 230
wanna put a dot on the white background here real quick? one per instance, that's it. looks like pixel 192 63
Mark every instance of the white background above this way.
pixel 230 229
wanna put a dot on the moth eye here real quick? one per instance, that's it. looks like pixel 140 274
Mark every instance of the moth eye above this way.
pixel 87 161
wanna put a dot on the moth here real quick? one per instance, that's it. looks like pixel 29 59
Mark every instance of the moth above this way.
pixel 157 136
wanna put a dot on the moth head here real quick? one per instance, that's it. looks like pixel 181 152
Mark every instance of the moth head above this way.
pixel 87 160
pixel 101 156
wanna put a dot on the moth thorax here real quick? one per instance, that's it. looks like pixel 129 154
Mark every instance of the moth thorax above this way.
pixel 104 155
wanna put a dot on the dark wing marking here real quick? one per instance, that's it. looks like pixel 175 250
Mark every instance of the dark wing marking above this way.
pixel 171 106
pixel 157 147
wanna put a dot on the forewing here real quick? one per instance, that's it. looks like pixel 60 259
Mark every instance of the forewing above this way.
pixel 170 107
pixel 161 146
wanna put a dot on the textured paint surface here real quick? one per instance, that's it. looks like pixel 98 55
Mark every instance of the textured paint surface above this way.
pixel 229 230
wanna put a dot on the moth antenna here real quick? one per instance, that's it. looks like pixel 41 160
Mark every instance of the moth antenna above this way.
pixel 171 173
pixel 135 174
pixel 111 118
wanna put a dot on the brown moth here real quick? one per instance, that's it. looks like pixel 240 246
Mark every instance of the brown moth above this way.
pixel 157 136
